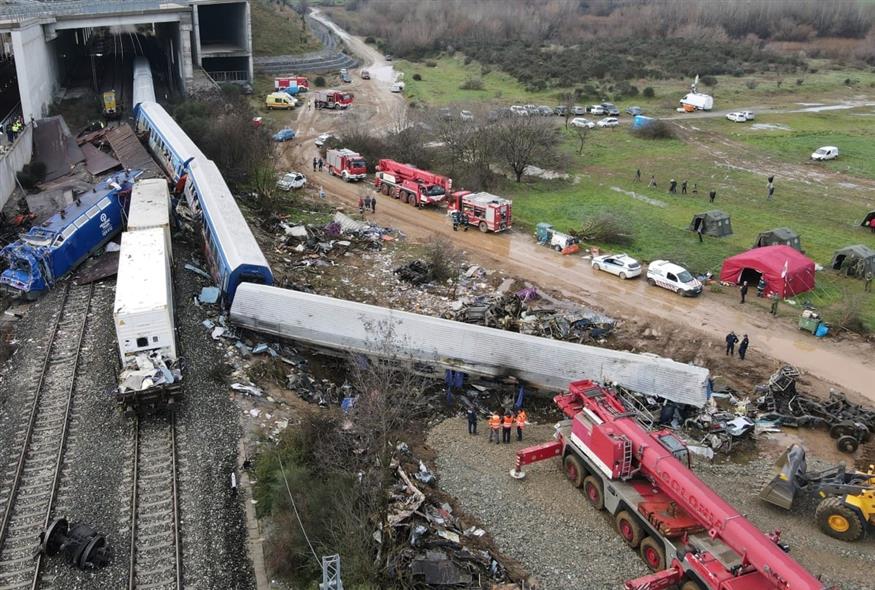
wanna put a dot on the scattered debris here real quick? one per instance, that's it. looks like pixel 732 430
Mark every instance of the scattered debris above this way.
pixel 82 545
pixel 149 369
pixel 209 295
pixel 415 272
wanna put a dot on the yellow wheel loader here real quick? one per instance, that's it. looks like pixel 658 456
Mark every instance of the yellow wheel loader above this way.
pixel 847 511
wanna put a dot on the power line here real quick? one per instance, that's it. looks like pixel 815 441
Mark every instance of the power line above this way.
pixel 298 516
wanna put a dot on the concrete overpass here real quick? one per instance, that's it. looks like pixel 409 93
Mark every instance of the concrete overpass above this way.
pixel 53 42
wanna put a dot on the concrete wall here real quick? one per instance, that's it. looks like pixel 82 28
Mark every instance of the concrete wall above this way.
pixel 13 161
pixel 37 69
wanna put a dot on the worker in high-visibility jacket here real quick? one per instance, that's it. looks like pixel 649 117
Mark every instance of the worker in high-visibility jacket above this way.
pixel 495 427
pixel 521 418
pixel 506 425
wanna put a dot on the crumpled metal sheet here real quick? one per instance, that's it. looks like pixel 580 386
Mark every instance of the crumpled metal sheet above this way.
pixel 543 363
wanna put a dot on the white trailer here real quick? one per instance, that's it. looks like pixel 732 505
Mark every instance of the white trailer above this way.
pixel 143 310
pixel 150 208
pixel 697 101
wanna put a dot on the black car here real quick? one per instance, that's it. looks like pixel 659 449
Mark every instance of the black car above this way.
pixel 634 111
pixel 610 109
pixel 561 110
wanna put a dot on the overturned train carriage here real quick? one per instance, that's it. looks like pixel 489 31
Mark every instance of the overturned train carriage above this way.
pixel 542 363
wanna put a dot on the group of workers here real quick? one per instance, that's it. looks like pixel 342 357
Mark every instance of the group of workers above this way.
pixel 501 424
pixel 13 129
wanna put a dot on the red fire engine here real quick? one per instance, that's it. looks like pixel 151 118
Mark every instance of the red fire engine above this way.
pixel 347 164
pixel 332 99
pixel 685 533
pixel 411 185
pixel 482 210
pixel 301 82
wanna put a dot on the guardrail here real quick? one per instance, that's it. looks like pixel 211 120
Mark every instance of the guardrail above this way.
pixel 229 76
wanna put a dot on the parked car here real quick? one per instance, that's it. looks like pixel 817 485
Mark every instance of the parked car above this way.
pixel 578 110
pixel 519 110
pixel 466 115
pixel 366 75
pixel 291 180
pixel 608 122
pixel 737 117
pixel 445 114
pixel 545 111
pixel 397 87
pixel 560 110
pixel 622 265
pixel 532 109
pixel 320 141
pixel 284 134
pixel 827 152
pixel 597 109
pixel 611 109
pixel 345 78
pixel 634 111
pixel 748 115
pixel 388 57
pixel 665 274
pixel 582 122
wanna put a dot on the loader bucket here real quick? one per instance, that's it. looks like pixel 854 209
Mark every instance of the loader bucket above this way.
pixel 790 477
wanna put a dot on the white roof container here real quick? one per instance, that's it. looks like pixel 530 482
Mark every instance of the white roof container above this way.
pixel 143 309
pixel 150 207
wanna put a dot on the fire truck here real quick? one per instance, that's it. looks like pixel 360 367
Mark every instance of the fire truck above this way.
pixel 347 164
pixel 280 84
pixel 332 99
pixel 410 184
pixel 687 535
pixel 482 210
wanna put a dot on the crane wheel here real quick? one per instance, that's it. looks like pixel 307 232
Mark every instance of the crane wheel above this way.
pixel 847 443
pixel 573 470
pixel 592 489
pixel 690 585
pixel 652 553
pixel 838 520
pixel 629 528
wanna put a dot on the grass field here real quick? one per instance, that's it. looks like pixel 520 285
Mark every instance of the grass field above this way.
pixel 278 31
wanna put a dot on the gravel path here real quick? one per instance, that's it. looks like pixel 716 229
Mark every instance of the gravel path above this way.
pixel 541 521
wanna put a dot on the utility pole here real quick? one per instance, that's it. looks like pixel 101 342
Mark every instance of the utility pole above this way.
pixel 331 573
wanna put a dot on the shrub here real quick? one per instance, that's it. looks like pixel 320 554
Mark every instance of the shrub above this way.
pixel 655 130
pixel 471 84
pixel 485 70
pixel 417 77
pixel 751 84
pixel 799 81
pixel 443 258
pixel 430 64
pixel 708 80
pixel 369 40
pixel 648 92
pixel 319 82
pixel 468 60
pixel 607 228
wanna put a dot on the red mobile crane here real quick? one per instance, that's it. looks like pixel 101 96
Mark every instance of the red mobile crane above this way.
pixel 685 533
pixel 410 184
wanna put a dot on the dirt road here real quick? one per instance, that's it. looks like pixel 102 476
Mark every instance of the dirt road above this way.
pixel 848 365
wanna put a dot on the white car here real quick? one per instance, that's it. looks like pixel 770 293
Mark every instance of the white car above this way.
pixel 291 180
pixel 622 265
pixel 578 110
pixel 827 152
pixel 737 117
pixel 673 277
pixel 518 110
pixel 466 116
pixel 582 122
pixel 597 109
pixel 748 115
pixel 608 122
pixel 320 141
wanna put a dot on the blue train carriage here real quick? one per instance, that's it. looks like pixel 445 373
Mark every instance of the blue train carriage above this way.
pixel 47 252
pixel 167 141
pixel 230 248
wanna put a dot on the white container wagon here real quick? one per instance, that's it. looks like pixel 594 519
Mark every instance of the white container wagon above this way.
pixel 143 310
pixel 150 208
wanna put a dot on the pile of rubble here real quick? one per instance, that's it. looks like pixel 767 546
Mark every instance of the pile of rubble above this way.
pixel 439 551
pixel 149 369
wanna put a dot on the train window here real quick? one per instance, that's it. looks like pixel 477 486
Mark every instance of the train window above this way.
pixel 104 203
pixel 68 231
pixel 154 338
pixel 142 341
pixel 82 220
pixel 91 213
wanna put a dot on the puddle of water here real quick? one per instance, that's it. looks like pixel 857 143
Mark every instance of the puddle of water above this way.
pixel 770 127
pixel 644 198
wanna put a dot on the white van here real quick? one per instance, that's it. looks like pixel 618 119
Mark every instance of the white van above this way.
pixel 827 152
pixel 665 274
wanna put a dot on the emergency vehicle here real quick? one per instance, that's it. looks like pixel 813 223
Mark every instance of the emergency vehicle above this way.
pixel 482 210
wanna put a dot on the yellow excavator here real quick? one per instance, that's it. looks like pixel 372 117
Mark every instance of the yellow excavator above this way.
pixel 847 510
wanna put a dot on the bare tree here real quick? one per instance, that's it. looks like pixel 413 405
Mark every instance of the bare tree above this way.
pixel 582 134
pixel 568 103
pixel 525 141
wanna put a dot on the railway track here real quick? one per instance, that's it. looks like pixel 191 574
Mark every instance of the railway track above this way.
pixel 27 502
pixel 155 560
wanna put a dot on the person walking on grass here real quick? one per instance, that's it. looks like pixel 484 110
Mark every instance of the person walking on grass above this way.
pixel 683 187
pixel 637 175
pixel 472 421
pixel 771 188
pixel 673 186
pixel 867 282
pixel 731 339
pixel 712 195
pixel 773 309
pixel 695 189
pixel 652 183
pixel 700 230
pixel 743 291
pixel 742 347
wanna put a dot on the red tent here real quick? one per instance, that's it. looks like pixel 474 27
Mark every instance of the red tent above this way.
pixel 787 272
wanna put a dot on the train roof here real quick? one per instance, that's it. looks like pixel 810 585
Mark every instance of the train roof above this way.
pixel 144 90
pixel 143 273
pixel 150 204
pixel 166 127
pixel 224 216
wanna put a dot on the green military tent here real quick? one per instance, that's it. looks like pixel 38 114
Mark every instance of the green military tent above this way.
pixel 780 236
pixel 715 223
pixel 854 261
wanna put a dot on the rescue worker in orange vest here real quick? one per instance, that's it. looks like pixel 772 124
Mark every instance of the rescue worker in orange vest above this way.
pixel 506 425
pixel 520 423
pixel 494 426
